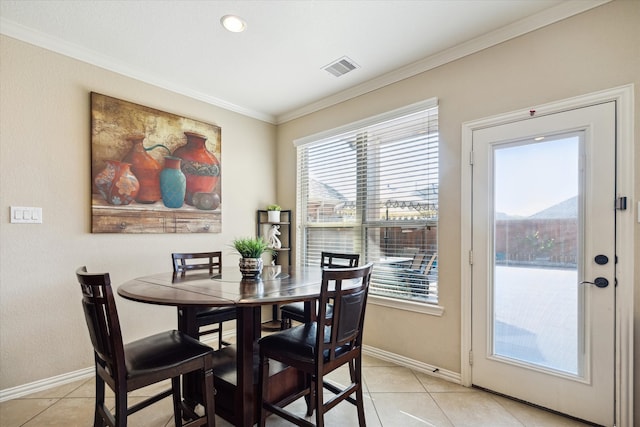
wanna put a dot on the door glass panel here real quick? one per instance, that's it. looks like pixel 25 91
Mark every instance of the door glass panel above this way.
pixel 536 297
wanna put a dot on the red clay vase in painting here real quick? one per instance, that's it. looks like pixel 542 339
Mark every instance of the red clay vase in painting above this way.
pixel 145 168
pixel 199 165
pixel 116 183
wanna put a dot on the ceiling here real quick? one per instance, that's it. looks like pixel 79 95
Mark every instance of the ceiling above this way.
pixel 274 71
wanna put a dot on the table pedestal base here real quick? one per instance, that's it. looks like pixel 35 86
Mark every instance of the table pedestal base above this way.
pixel 285 381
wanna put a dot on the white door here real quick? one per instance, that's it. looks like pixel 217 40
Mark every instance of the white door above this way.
pixel 543 193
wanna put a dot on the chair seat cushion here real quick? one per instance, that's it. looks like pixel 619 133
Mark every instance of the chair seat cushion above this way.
pixel 210 315
pixel 298 343
pixel 161 351
pixel 295 311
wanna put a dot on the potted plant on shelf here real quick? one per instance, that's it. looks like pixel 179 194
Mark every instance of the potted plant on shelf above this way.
pixel 251 250
pixel 273 213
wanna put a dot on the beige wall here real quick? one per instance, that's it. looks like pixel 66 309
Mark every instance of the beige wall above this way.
pixel 596 50
pixel 45 161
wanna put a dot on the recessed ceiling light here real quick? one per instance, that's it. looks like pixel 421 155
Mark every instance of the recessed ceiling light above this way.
pixel 233 23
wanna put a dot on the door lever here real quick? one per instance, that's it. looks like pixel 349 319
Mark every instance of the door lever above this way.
pixel 600 282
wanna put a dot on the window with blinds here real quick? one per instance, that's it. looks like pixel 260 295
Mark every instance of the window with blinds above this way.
pixel 371 188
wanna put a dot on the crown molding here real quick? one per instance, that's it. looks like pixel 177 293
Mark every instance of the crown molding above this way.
pixel 54 44
pixel 562 11
pixel 547 17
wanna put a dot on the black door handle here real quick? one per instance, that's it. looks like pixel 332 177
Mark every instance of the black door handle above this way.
pixel 600 282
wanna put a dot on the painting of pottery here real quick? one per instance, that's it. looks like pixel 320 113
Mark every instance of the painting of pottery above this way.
pixel 153 171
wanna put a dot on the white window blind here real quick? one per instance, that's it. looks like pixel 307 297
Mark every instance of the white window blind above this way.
pixel 371 188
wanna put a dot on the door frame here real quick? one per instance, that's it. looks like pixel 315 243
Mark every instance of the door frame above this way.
pixel 623 96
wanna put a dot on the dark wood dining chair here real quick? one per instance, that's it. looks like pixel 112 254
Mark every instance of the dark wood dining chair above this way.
pixel 166 355
pixel 208 319
pixel 295 310
pixel 319 347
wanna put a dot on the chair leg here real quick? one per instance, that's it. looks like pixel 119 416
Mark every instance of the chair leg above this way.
pixel 98 420
pixel 263 386
pixel 310 398
pixel 318 400
pixel 285 321
pixel 177 400
pixel 220 343
pixel 209 397
pixel 357 374
pixel 121 406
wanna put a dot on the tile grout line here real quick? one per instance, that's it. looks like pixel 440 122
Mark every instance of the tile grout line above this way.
pixel 373 401
pixel 434 400
pixel 58 399
pixel 493 397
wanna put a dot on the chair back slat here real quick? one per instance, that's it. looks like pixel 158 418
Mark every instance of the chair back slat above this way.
pixel 102 319
pixel 347 290
pixel 351 310
pixel 183 262
pixel 336 260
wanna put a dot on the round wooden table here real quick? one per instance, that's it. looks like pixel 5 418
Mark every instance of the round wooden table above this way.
pixel 234 366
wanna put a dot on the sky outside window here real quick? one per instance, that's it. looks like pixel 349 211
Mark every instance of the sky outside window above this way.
pixel 531 177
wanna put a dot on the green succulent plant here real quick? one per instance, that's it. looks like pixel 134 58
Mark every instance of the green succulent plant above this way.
pixel 250 247
pixel 273 207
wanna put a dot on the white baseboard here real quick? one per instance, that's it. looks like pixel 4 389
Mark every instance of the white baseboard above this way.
pixel 45 384
pixel 416 365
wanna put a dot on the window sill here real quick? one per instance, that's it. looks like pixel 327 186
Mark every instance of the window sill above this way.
pixel 430 309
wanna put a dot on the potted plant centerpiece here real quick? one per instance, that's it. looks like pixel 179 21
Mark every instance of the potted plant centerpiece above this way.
pixel 251 250
pixel 273 213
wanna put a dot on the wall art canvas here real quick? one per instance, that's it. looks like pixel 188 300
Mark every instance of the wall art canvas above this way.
pixel 153 171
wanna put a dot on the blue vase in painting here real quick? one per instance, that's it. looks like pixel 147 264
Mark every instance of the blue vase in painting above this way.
pixel 173 183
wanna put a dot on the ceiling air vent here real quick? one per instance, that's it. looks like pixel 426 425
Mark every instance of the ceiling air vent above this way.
pixel 341 67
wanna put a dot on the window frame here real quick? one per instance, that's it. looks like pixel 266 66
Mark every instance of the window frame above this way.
pixel 362 223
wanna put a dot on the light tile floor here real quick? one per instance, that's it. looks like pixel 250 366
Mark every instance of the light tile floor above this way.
pixel 394 396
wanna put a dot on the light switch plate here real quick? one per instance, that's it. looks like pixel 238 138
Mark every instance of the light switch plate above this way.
pixel 26 215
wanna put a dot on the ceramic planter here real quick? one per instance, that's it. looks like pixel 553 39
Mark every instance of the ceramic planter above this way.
pixel 250 267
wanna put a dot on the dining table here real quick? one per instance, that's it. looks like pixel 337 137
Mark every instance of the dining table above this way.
pixel 235 366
